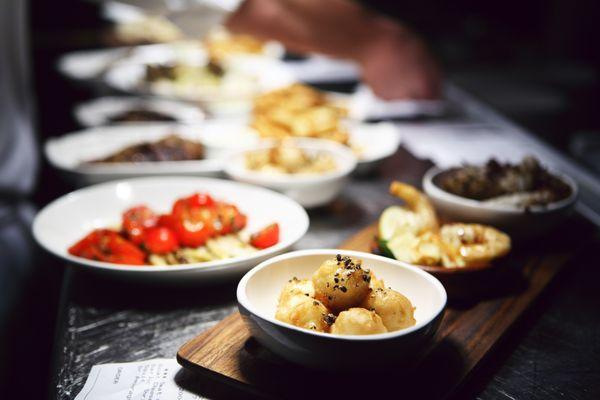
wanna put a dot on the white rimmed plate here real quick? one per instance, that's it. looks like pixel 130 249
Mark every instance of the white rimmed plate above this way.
pixel 90 64
pixel 250 76
pixel 100 111
pixel 66 220
pixel 70 152
pixel 258 293
pixel 374 141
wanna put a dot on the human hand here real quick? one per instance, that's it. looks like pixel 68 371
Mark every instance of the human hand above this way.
pixel 398 65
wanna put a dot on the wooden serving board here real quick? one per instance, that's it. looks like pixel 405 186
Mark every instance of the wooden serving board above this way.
pixel 468 332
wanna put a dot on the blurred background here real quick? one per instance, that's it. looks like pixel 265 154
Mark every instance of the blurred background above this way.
pixel 534 61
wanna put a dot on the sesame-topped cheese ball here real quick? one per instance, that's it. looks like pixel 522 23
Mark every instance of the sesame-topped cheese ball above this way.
pixel 358 321
pixel 341 283
pixel 310 314
pixel 293 293
pixel 395 309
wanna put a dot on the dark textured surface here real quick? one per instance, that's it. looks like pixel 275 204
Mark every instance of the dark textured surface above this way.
pixel 554 353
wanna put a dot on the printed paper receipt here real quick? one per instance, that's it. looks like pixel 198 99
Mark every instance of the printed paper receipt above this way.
pixel 145 380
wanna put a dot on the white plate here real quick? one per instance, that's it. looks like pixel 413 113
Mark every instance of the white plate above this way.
pixel 376 141
pixel 253 75
pixel 68 152
pixel 69 218
pixel 90 64
pixel 310 190
pixel 100 111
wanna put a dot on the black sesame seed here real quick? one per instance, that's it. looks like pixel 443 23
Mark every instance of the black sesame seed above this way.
pixel 343 289
pixel 338 257
pixel 336 280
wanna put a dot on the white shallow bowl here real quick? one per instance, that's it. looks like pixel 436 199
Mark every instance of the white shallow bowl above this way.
pixel 258 293
pixel 69 218
pixel 310 190
pixel 89 64
pixel 519 223
pixel 68 152
pixel 100 111
pixel 264 74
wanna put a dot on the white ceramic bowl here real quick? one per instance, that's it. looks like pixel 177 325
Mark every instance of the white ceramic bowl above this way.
pixel 69 152
pixel 310 190
pixel 259 290
pixel 69 218
pixel 100 111
pixel 517 222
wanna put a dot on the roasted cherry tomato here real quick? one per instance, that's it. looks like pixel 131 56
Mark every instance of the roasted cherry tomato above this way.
pixel 266 237
pixel 229 218
pixel 167 220
pixel 136 220
pixel 160 240
pixel 194 226
pixel 108 246
pixel 194 201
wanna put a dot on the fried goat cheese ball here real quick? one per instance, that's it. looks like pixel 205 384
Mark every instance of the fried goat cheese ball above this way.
pixel 358 321
pixel 310 314
pixel 298 307
pixel 395 310
pixel 341 283
pixel 293 293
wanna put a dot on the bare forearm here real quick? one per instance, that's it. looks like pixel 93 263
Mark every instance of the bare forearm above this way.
pixel 339 28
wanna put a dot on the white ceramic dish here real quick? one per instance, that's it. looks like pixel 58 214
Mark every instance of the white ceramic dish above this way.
pixel 259 290
pixel 310 190
pixel 90 64
pixel 376 142
pixel 100 111
pixel 519 223
pixel 68 152
pixel 253 75
pixel 69 218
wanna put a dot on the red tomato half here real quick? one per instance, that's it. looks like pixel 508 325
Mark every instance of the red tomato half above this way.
pixel 160 240
pixel 136 220
pixel 194 227
pixel 229 219
pixel 194 201
pixel 108 246
pixel 266 237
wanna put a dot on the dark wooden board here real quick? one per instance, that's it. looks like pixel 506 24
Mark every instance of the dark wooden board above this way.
pixel 468 332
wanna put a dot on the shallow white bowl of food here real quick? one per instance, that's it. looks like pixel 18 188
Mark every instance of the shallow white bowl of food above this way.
pixel 309 189
pixel 69 218
pixel 244 78
pixel 103 110
pixel 519 223
pixel 258 294
pixel 72 152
